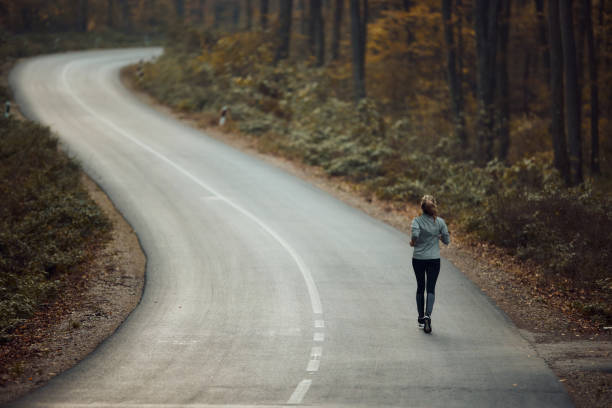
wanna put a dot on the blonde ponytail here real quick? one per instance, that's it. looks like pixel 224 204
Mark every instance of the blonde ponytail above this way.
pixel 429 206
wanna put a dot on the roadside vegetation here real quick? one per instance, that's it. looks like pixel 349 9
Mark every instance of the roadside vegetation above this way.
pixel 305 111
pixel 49 227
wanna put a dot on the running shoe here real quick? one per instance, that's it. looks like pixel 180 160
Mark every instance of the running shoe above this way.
pixel 427 324
pixel 421 322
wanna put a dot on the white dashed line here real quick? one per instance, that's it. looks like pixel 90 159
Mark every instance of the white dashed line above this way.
pixel 313 366
pixel 300 392
pixel 315 300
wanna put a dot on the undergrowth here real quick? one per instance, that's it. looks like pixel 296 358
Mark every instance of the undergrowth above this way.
pixel 297 110
pixel 48 223
pixel 49 227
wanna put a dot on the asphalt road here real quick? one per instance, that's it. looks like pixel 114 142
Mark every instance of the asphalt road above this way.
pixel 260 288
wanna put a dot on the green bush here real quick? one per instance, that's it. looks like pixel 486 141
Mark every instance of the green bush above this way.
pixel 47 221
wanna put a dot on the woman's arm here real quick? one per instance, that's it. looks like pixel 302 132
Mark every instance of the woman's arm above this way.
pixel 416 231
pixel 444 234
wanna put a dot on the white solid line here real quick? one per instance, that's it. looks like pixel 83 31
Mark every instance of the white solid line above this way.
pixel 313 292
pixel 300 392
pixel 319 324
pixel 212 198
pixel 319 336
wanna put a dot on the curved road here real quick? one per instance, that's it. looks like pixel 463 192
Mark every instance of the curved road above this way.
pixel 261 289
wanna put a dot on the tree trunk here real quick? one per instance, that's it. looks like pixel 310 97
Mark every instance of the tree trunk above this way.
pixel 284 31
pixel 263 14
pixel 110 13
pixel 451 71
pixel 485 22
pixel 200 12
pixel 503 87
pixel 249 14
pixel 236 16
pixel 303 17
pixel 27 18
pixel 319 33
pixel 83 15
pixel 593 85
pixel 312 25
pixel 526 89
pixel 557 128
pixel 460 52
pixel 539 4
pixel 126 15
pixel 179 8
pixel 579 38
pixel 572 96
pixel 337 29
pixel 358 39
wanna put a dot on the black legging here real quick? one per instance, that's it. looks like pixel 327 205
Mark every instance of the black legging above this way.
pixel 431 268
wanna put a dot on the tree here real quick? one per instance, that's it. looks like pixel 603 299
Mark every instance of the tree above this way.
pixel 451 73
pixel 460 51
pixel 539 5
pixel 502 82
pixel 284 30
pixel 572 95
pixel 358 41
pixel 179 7
pixel 337 29
pixel 593 85
pixel 126 15
pixel 319 34
pixel 557 128
pixel 249 14
pixel 263 14
pixel 316 32
pixel 198 11
pixel 485 24
pixel 312 25
pixel 303 17
pixel 83 15
pixel 110 13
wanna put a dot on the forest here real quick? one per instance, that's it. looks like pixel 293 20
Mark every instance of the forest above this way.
pixel 500 108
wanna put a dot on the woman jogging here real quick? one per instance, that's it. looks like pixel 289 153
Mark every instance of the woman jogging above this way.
pixel 427 230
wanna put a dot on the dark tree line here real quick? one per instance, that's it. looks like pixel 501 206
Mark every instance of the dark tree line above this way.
pixel 560 53
pixel 567 51
pixel 561 37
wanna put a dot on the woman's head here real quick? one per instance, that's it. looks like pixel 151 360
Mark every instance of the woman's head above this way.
pixel 429 206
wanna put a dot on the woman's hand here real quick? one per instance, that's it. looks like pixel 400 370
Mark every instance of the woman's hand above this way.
pixel 412 242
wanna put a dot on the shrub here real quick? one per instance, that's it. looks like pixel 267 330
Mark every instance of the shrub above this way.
pixel 47 221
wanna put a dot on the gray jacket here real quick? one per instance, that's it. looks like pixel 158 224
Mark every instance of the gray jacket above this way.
pixel 426 233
